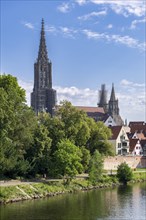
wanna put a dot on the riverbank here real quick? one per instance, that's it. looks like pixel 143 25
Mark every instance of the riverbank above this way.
pixel 34 190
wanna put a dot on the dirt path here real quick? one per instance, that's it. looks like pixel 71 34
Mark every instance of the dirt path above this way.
pixel 15 183
pixel 24 182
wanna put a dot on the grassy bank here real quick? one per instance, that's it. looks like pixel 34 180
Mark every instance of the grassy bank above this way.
pixel 42 189
pixel 139 176
pixel 39 190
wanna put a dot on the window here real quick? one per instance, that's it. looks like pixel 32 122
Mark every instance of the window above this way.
pixel 124 144
pixel 119 151
pixel 119 145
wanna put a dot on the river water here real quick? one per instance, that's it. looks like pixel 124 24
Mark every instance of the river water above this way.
pixel 119 203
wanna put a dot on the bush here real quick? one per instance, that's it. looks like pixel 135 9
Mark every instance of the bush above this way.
pixel 124 173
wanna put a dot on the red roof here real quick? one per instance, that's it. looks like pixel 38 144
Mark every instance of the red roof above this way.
pixel 90 109
pixel 115 131
pixel 132 144
pixel 138 128
pixel 135 123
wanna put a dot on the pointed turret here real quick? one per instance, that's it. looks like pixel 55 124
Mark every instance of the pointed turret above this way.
pixel 113 108
pixel 113 97
pixel 42 54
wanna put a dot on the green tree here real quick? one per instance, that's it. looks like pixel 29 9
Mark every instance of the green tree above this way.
pixel 99 138
pixel 68 159
pixel 76 128
pixel 96 167
pixel 38 153
pixel 124 173
pixel 55 126
pixel 85 158
pixel 17 123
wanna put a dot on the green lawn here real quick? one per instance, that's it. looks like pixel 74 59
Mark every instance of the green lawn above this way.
pixel 140 169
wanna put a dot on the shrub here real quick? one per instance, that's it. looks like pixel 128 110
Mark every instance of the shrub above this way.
pixel 124 173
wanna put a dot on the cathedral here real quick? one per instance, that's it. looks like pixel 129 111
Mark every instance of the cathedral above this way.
pixel 111 107
pixel 43 97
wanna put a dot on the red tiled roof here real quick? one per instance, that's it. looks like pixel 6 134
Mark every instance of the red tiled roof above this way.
pixel 90 109
pixel 115 132
pixel 132 144
pixel 135 123
pixel 138 128
pixel 141 136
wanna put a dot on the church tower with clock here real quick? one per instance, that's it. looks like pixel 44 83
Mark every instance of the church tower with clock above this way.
pixel 43 97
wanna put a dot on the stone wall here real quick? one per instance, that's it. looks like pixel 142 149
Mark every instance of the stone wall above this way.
pixel 111 163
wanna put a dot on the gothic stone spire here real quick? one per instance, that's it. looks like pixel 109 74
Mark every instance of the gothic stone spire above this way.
pixel 42 55
pixel 113 108
pixel 113 98
pixel 43 97
pixel 113 103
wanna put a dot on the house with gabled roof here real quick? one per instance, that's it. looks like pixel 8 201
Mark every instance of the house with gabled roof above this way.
pixel 108 121
pixel 135 147
pixel 119 140
pixel 137 137
pixel 138 128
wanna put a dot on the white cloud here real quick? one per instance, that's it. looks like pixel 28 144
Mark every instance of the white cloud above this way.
pixel 29 25
pixel 68 32
pixel 131 84
pixel 51 29
pixel 136 22
pixel 64 7
pixel 131 96
pixel 81 2
pixel 125 40
pixel 124 7
pixel 125 82
pixel 77 96
pixel 132 100
pixel 110 26
pixel 128 9
pixel 92 14
pixel 118 39
pixel 28 86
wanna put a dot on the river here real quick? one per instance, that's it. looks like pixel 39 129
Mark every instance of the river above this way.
pixel 119 203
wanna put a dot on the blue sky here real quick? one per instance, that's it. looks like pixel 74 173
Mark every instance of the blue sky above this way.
pixel 90 42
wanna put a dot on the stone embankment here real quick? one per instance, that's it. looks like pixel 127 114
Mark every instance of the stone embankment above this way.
pixel 112 163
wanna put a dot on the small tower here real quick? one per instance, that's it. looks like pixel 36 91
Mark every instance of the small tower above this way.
pixel 103 98
pixel 113 107
pixel 43 97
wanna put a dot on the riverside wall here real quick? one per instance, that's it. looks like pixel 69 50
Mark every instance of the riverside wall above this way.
pixel 111 163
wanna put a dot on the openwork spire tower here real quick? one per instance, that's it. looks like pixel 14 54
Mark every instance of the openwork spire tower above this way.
pixel 43 97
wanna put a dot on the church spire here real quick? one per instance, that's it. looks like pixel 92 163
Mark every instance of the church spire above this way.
pixel 42 55
pixel 103 98
pixel 43 97
pixel 113 98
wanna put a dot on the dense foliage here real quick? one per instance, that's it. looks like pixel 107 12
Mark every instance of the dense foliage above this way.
pixel 96 167
pixel 17 124
pixel 124 173
pixel 31 145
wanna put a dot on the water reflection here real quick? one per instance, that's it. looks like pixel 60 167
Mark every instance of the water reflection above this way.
pixel 104 204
